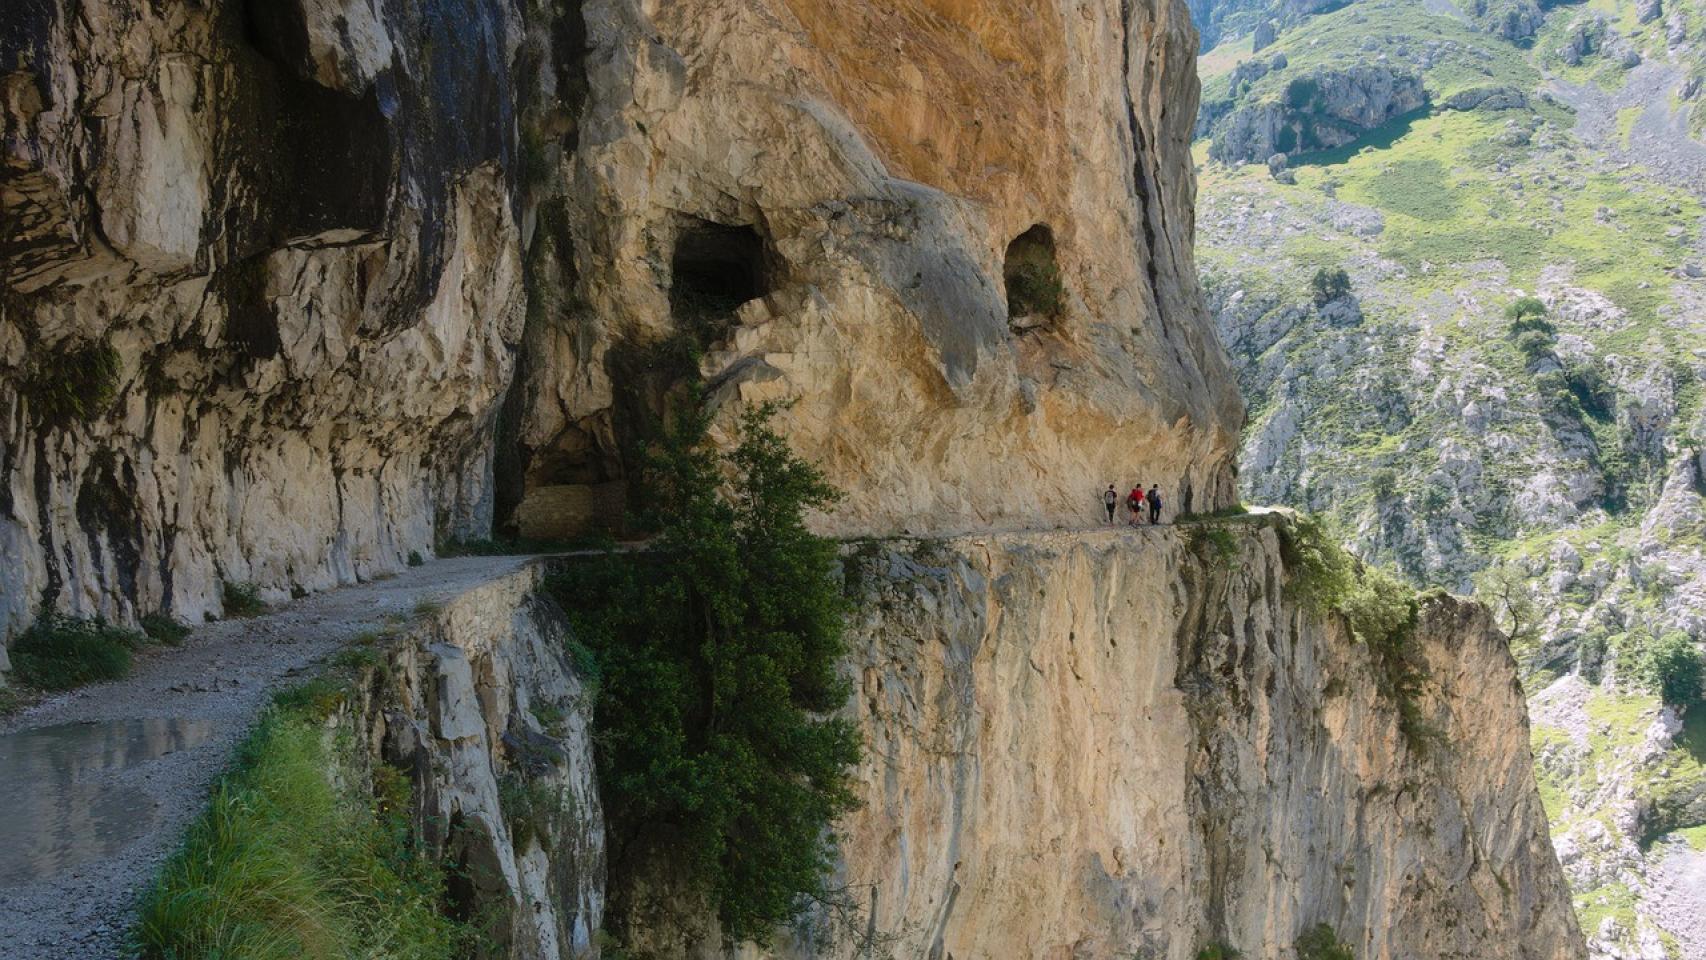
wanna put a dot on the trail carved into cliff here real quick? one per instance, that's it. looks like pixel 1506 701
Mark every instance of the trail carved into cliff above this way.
pixel 120 769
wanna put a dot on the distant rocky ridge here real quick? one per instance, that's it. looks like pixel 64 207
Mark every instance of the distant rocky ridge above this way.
pixel 1318 110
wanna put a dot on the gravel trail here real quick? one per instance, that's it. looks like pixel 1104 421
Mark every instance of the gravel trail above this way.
pixel 98 785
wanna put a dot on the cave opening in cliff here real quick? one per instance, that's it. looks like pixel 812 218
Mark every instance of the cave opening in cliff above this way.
pixel 714 269
pixel 1032 276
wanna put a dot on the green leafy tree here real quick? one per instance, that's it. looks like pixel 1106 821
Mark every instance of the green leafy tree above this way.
pixel 1508 590
pixel 1321 571
pixel 1673 668
pixel 1329 285
pixel 717 653
pixel 1524 309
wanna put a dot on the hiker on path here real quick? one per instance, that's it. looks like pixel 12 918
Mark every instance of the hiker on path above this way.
pixel 1111 500
pixel 1134 501
pixel 1154 504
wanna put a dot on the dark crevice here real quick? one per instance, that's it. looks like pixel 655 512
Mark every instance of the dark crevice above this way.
pixel 251 325
pixel 1140 174
pixel 44 518
pixel 106 515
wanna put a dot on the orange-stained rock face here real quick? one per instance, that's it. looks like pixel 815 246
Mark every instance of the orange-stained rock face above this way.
pixel 885 156
pixel 311 233
pixel 966 97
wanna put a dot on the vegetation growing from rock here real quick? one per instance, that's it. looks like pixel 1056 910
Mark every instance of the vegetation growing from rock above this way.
pixel 1321 942
pixel 73 383
pixel 716 652
pixel 1329 285
pixel 1379 609
pixel 1321 571
pixel 301 854
pixel 1034 288
pixel 1215 544
pixel 163 628
pixel 242 599
pixel 59 652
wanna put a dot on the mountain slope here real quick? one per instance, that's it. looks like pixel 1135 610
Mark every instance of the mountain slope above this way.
pixel 1560 166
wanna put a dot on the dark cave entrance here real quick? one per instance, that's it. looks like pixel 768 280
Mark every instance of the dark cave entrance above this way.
pixel 714 269
pixel 1032 277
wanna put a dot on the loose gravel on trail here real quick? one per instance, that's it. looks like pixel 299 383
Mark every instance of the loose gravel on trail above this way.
pixel 86 831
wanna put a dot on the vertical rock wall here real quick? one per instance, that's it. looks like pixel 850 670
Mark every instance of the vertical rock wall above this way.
pixel 270 270
pixel 260 290
pixel 482 711
pixel 1120 746
pixel 864 167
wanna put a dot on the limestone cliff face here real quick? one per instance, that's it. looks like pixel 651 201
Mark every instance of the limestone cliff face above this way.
pixel 1113 747
pixel 868 172
pixel 1077 745
pixel 480 709
pixel 270 270
pixel 261 274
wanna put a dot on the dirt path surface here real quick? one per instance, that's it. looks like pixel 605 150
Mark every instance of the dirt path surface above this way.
pixel 98 785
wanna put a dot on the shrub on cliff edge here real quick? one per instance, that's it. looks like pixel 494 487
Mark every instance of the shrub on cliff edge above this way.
pixel 717 653
pixel 1380 610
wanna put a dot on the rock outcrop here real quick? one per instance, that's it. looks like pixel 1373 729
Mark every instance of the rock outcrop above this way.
pixel 480 708
pixel 274 267
pixel 1128 744
pixel 1320 110
pixel 262 292
pixel 819 199
pixel 1098 745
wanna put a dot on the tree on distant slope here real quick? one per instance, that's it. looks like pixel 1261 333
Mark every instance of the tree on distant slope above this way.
pixel 1329 285
pixel 1674 669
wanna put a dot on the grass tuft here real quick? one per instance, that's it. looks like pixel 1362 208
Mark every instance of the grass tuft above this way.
pixel 76 384
pixel 162 628
pixel 286 864
pixel 59 652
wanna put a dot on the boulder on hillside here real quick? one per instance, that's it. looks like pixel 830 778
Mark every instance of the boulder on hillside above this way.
pixel 1646 11
pixel 1515 21
pixel 1489 98
pixel 1265 35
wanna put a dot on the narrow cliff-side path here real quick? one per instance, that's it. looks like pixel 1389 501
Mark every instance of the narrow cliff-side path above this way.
pixel 98 785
